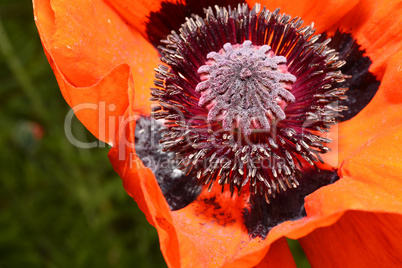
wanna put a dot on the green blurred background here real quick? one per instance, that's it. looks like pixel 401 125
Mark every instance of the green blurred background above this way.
pixel 60 206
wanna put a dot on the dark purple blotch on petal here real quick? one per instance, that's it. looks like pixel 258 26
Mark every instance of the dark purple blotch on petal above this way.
pixel 363 85
pixel 261 217
pixel 178 188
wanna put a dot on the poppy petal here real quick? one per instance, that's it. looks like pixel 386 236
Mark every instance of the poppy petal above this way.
pixel 100 106
pixel 382 113
pixel 213 224
pixel 83 52
pixel 279 255
pixel 370 179
pixel 371 183
pixel 141 185
pixel 136 13
pixel 377 25
pixel 378 164
pixel 358 239
pixel 322 13
pixel 85 49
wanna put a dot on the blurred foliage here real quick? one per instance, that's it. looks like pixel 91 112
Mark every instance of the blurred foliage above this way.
pixel 60 206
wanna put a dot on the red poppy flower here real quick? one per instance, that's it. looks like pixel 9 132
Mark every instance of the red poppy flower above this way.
pixel 103 57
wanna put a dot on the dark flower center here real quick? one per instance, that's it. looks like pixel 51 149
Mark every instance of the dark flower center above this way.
pixel 245 96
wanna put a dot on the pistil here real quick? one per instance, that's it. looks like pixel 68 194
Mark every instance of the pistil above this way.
pixel 244 87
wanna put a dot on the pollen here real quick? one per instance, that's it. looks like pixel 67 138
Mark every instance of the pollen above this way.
pixel 244 87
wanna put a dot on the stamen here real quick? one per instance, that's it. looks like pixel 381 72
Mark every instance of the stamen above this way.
pixel 245 95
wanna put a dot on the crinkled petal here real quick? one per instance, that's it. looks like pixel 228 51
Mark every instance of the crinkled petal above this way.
pixel 100 106
pixel 357 239
pixel 371 185
pixel 214 223
pixel 83 51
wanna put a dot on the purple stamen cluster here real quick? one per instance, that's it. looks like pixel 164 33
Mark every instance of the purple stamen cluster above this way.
pixel 243 86
pixel 230 116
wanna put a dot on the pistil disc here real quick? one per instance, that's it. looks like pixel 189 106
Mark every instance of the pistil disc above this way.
pixel 244 86
pixel 245 95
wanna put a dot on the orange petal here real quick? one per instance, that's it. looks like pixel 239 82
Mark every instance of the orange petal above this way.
pixel 83 51
pixel 380 114
pixel 371 182
pixel 136 13
pixel 279 255
pixel 140 183
pixel 377 26
pixel 87 39
pixel 211 224
pixel 370 177
pixel 358 239
pixel 100 106
pixel 378 164
pixel 322 13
